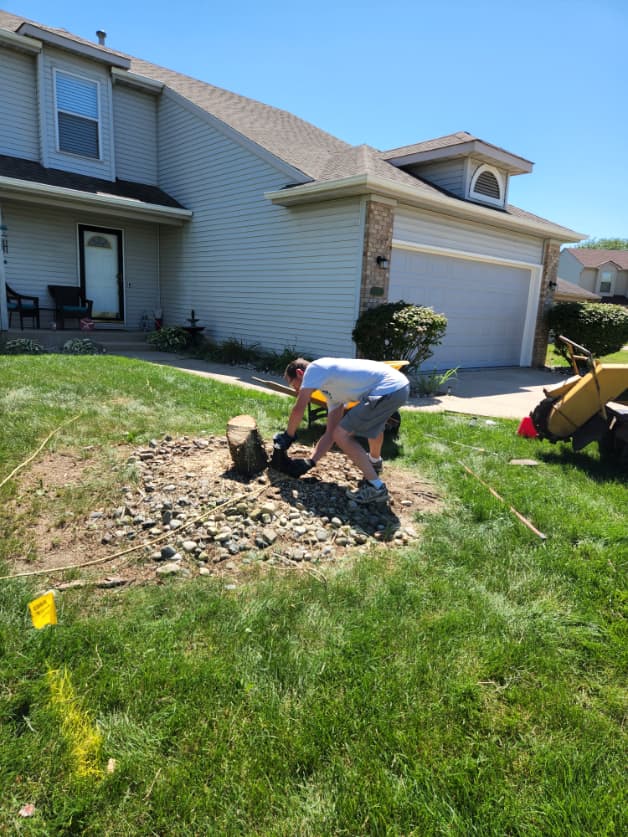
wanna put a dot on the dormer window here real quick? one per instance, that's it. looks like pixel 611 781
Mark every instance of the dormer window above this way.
pixel 487 185
pixel 78 125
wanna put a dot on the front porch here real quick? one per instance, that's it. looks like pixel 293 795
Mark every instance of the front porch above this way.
pixel 113 340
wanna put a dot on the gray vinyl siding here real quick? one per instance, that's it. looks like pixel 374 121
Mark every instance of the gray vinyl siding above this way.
pixel 448 174
pixel 431 229
pixel 19 131
pixel 280 277
pixel 135 126
pixel 103 168
pixel 569 268
pixel 588 279
pixel 43 250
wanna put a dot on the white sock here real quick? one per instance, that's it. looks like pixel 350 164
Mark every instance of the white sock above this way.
pixel 374 458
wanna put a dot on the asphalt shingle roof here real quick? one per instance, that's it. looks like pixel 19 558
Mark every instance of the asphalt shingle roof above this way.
pixel 318 155
pixel 591 257
pixel 36 173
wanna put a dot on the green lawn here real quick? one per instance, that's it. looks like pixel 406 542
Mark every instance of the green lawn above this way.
pixel 553 358
pixel 471 684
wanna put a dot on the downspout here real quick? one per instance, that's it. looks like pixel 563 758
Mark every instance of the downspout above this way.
pixel 4 316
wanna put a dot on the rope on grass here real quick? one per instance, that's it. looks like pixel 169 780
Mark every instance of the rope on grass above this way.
pixel 33 455
pixel 143 545
pixel 517 514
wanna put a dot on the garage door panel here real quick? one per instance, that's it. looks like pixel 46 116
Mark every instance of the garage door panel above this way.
pixel 485 305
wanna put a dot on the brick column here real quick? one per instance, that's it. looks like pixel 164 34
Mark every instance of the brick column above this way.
pixel 378 230
pixel 551 254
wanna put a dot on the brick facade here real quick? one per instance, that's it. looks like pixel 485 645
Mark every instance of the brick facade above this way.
pixel 551 255
pixel 378 230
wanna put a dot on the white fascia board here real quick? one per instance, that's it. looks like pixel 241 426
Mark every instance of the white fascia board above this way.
pixel 365 184
pixel 43 194
pixel 10 39
pixel 134 80
pixel 285 168
pixel 92 51
pixel 514 164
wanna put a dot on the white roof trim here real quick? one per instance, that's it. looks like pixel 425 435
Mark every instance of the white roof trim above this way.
pixel 42 193
pixel 10 39
pixel 134 80
pixel 512 162
pixel 94 52
pixel 364 184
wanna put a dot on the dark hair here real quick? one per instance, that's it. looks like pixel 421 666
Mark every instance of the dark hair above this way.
pixel 291 368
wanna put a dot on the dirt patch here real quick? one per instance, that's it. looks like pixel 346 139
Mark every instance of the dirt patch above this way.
pixel 181 510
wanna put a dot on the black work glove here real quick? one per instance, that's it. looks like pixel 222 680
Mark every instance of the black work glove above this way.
pixel 280 461
pixel 282 441
pixel 299 467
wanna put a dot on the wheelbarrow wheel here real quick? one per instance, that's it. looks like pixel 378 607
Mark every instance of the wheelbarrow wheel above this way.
pixel 393 424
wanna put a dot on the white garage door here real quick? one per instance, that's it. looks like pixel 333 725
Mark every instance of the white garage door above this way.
pixel 485 305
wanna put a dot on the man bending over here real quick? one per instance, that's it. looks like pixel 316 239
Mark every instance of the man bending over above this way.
pixel 379 389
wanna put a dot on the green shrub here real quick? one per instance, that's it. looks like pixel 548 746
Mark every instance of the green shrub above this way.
pixel 399 331
pixel 600 328
pixel 170 339
pixel 23 346
pixel 81 346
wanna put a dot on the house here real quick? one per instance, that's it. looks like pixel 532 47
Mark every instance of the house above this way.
pixel 152 190
pixel 603 272
pixel 569 292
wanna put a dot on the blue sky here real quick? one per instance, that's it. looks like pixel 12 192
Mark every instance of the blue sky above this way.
pixel 544 79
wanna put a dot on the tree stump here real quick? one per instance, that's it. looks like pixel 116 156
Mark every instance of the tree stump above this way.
pixel 246 446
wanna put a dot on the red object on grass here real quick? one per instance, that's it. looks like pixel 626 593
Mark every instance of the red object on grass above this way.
pixel 527 428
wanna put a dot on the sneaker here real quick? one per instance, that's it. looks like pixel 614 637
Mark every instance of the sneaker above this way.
pixel 377 464
pixel 367 493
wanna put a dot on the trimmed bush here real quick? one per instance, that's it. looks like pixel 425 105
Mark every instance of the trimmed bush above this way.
pixel 599 327
pixel 399 331
pixel 170 339
pixel 81 346
pixel 22 346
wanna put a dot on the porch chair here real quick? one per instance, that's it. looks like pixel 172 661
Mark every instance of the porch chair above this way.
pixel 69 303
pixel 24 305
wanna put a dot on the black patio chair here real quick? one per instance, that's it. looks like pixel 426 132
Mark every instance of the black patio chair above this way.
pixel 24 305
pixel 70 303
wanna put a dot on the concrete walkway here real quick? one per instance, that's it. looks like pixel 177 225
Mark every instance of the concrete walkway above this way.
pixel 508 392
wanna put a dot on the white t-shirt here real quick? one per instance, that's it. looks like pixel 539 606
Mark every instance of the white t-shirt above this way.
pixel 350 379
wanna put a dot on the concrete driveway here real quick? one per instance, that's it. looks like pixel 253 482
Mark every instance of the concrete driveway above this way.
pixel 505 392
pixel 508 392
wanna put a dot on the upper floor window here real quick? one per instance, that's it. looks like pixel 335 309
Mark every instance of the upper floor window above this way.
pixel 606 283
pixel 78 126
pixel 487 185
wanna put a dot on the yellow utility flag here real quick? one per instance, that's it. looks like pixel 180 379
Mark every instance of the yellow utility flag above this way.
pixel 43 610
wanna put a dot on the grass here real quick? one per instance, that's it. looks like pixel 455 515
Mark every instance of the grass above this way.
pixel 473 684
pixel 553 358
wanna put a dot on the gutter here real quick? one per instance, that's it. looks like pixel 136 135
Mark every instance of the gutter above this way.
pixel 42 193
pixel 363 184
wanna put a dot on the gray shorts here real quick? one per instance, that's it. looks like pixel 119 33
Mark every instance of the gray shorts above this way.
pixel 369 417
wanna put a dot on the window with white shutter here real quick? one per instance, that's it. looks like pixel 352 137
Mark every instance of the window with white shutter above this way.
pixel 78 128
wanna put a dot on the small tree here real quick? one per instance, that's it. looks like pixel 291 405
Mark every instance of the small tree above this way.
pixel 599 327
pixel 399 331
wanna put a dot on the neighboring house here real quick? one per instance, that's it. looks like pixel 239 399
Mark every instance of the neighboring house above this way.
pixel 568 292
pixel 152 190
pixel 603 272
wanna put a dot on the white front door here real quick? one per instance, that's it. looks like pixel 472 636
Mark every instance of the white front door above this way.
pixel 101 271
